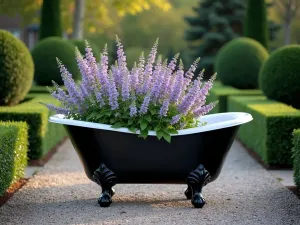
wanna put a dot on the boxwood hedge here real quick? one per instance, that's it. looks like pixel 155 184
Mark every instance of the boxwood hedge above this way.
pixel 269 134
pixel 42 135
pixel 296 156
pixel 13 153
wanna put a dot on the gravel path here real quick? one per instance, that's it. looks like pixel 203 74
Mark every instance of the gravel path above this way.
pixel 60 193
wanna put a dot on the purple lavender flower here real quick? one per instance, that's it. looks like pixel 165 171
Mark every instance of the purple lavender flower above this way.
pixel 125 86
pixel 176 93
pixel 175 119
pixel 204 109
pixel 144 106
pixel 100 99
pixel 58 110
pixel 134 77
pixel 190 98
pixel 113 95
pixel 133 110
pixel 164 108
pixel 91 61
pixel 102 71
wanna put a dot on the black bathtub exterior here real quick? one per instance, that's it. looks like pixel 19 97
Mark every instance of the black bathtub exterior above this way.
pixel 135 160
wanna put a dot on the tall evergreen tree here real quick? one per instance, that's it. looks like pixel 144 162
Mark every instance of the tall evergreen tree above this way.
pixel 50 19
pixel 216 22
pixel 256 24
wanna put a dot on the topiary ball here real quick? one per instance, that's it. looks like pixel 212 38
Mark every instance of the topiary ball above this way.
pixel 81 47
pixel 16 69
pixel 279 77
pixel 239 61
pixel 44 56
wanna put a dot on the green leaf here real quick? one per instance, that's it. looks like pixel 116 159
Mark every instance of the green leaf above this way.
pixel 117 125
pixel 148 118
pixel 167 137
pixel 152 111
pixel 130 122
pixel 132 129
pixel 108 113
pixel 112 120
pixel 159 134
pixel 92 115
pixel 172 131
pixel 144 133
pixel 157 128
pixel 144 124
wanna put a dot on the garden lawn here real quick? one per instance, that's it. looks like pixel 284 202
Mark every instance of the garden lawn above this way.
pixel 270 132
pixel 42 135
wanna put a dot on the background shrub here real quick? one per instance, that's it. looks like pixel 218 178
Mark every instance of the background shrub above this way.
pixel 44 55
pixel 256 23
pixel 133 54
pixel 16 69
pixel 279 77
pixel 239 61
pixel 13 153
pixel 81 47
pixel 296 156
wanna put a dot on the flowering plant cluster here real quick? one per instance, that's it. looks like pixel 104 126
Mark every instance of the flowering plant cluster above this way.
pixel 154 95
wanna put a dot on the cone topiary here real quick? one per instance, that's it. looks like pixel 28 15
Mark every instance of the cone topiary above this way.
pixel 44 55
pixel 16 69
pixel 279 77
pixel 239 61
pixel 80 44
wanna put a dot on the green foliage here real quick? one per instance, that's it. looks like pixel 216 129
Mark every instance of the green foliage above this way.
pixel 269 134
pixel 13 153
pixel 50 19
pixel 151 121
pixel 296 156
pixel 35 89
pixel 44 55
pixel 133 54
pixel 80 44
pixel 279 76
pixel 221 94
pixel 16 69
pixel 239 61
pixel 256 24
pixel 214 24
pixel 42 136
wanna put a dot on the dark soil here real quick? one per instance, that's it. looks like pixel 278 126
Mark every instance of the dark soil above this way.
pixel 48 156
pixel 295 190
pixel 12 190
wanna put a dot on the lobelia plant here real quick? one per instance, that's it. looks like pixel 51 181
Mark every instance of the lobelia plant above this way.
pixel 151 96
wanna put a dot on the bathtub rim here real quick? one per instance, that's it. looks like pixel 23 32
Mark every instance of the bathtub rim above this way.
pixel 214 122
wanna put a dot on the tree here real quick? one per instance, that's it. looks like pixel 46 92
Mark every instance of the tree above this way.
pixel 102 13
pixel 287 11
pixel 78 19
pixel 216 22
pixel 50 19
pixel 256 25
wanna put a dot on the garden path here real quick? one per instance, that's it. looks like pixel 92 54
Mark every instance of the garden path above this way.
pixel 60 193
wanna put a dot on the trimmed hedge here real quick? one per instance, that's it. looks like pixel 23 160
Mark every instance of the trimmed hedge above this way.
pixel 269 134
pixel 13 153
pixel 42 135
pixel 16 69
pixel 296 156
pixel 37 89
pixel 221 93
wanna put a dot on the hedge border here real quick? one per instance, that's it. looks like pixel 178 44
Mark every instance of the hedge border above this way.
pixel 269 134
pixel 296 156
pixel 43 135
pixel 13 153
pixel 221 93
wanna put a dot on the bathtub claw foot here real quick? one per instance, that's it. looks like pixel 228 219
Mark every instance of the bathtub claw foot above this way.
pixel 106 179
pixel 196 180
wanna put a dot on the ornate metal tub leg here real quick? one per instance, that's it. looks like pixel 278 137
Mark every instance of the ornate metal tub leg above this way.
pixel 106 179
pixel 196 180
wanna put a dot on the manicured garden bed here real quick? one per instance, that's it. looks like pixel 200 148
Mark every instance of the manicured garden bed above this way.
pixel 269 134
pixel 221 93
pixel 42 135
pixel 296 156
pixel 13 153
